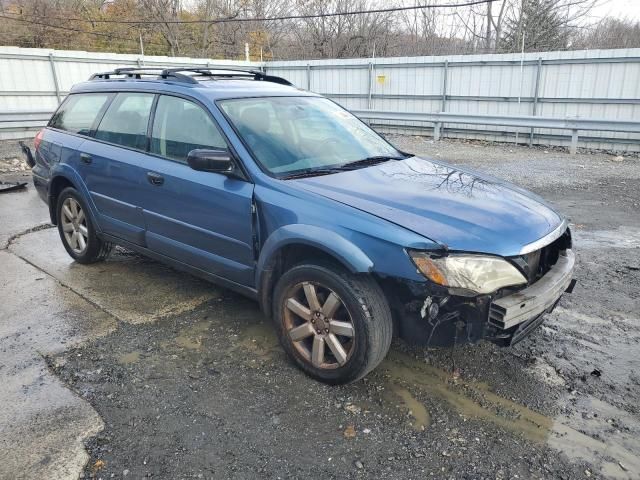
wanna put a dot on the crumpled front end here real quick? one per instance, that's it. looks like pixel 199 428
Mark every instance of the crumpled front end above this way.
pixel 433 315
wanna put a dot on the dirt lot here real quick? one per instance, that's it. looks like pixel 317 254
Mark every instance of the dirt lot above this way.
pixel 174 378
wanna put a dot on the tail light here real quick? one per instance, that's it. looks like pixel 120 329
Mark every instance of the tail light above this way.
pixel 38 139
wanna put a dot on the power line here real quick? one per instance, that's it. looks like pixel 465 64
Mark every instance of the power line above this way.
pixel 77 30
pixel 286 17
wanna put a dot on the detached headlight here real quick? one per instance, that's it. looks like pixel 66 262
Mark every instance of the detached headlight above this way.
pixel 478 273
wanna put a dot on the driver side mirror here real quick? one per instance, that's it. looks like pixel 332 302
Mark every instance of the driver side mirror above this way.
pixel 217 161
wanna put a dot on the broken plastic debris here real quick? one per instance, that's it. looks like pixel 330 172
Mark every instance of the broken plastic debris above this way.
pixel 6 187
pixel 98 465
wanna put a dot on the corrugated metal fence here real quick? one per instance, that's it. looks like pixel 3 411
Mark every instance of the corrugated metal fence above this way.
pixel 34 81
pixel 598 84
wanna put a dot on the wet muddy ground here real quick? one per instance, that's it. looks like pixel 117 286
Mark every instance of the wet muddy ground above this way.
pixel 165 376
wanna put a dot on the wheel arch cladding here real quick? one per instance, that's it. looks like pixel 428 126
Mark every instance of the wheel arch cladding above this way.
pixel 62 177
pixel 57 185
pixel 304 242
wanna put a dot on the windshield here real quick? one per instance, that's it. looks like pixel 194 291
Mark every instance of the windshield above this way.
pixel 288 135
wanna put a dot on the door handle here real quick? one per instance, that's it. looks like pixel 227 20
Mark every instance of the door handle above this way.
pixel 155 178
pixel 85 158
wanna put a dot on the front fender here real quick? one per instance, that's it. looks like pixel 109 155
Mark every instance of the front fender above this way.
pixel 327 240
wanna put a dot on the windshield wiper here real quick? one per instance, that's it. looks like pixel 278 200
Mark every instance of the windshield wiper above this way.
pixel 369 161
pixel 312 172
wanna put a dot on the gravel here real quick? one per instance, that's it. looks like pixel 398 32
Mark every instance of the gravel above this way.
pixel 209 393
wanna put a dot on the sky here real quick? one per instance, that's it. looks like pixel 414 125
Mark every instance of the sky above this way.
pixel 619 8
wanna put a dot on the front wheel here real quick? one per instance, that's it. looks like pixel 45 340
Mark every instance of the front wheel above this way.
pixel 336 326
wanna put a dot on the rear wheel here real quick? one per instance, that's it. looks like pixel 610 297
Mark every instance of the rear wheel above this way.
pixel 77 232
pixel 334 325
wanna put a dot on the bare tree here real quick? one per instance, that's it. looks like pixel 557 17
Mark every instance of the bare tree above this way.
pixel 165 11
pixel 490 27
pixel 342 36
pixel 610 33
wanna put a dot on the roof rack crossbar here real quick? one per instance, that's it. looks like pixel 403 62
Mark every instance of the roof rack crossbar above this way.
pixel 137 73
pixel 175 73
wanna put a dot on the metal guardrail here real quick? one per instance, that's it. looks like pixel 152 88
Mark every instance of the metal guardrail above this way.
pixel 438 119
pixel 24 121
pixel 16 121
pixel 437 87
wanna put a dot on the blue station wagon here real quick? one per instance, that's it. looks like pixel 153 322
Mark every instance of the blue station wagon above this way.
pixel 280 194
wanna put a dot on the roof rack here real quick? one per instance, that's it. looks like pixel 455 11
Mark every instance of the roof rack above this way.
pixel 177 74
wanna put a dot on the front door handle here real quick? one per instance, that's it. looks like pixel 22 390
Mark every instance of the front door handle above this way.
pixel 155 178
pixel 85 158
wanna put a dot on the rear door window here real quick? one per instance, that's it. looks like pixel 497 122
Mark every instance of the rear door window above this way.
pixel 126 120
pixel 180 126
pixel 79 112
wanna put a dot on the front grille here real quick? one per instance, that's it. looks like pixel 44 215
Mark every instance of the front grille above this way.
pixel 533 264
pixel 536 264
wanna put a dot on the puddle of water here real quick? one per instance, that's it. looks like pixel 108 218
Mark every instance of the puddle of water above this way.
pixel 403 372
pixel 611 343
pixel 191 338
pixel 621 430
pixel 578 446
pixel 421 417
pixel 565 434
pixel 129 358
pixel 470 399
pixel 408 378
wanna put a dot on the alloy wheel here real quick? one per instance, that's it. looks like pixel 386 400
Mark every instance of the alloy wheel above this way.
pixel 318 325
pixel 74 225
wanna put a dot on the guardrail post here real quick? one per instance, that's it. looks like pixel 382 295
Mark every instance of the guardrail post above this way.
pixel 55 78
pixel 443 106
pixel 535 96
pixel 573 149
pixel 308 77
pixel 436 131
pixel 445 74
pixel 370 86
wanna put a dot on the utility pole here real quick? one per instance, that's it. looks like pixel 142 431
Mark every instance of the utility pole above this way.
pixel 487 44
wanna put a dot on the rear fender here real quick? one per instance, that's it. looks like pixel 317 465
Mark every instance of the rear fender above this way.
pixel 64 171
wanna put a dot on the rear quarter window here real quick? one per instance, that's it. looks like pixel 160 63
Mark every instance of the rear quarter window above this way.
pixel 79 112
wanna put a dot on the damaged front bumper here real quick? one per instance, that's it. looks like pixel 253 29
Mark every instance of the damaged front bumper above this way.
pixel 530 302
pixel 503 320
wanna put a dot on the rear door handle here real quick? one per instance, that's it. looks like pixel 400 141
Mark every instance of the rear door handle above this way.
pixel 155 178
pixel 85 158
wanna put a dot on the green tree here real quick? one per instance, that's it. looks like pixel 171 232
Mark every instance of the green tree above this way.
pixel 541 22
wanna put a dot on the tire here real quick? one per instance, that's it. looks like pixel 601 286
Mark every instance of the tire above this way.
pixel 77 231
pixel 308 330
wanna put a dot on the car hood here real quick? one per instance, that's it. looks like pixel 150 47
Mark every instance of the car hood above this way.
pixel 458 208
